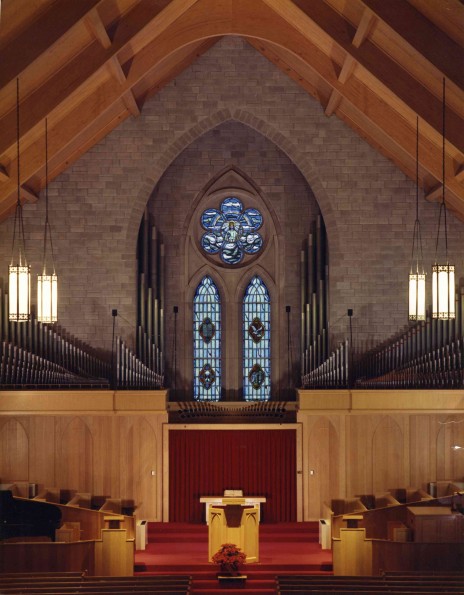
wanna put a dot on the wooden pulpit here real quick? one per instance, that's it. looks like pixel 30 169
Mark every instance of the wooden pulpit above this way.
pixel 234 522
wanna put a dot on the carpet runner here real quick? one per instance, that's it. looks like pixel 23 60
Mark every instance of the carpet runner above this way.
pixel 285 548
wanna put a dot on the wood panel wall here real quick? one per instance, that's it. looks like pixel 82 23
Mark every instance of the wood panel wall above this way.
pixel 371 454
pixel 103 455
pixel 351 449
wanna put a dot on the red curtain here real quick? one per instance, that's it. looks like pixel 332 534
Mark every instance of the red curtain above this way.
pixel 207 462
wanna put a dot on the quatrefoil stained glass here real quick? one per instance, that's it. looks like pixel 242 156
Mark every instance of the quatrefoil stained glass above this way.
pixel 231 231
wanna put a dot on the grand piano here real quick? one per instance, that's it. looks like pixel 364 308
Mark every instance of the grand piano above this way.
pixel 27 518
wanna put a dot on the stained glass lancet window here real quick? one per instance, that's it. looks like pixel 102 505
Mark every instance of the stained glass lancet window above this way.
pixel 207 342
pixel 256 342
pixel 231 231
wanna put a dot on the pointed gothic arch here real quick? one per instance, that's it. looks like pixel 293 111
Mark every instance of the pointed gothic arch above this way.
pixel 207 357
pixel 256 337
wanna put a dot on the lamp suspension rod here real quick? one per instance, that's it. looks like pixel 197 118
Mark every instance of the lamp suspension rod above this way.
pixel 416 238
pixel 48 231
pixel 443 160
pixel 46 198
pixel 17 138
pixel 417 168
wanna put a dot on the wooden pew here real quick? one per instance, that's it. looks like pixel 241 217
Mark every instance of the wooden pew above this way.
pixel 381 584
pixel 62 584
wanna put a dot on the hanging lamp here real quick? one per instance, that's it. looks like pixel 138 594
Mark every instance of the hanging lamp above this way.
pixel 443 285
pixel 417 273
pixel 47 284
pixel 19 273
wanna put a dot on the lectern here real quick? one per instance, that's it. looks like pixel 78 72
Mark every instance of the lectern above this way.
pixel 237 523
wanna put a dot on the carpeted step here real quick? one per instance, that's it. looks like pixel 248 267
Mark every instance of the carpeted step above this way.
pixel 218 590
pixel 202 584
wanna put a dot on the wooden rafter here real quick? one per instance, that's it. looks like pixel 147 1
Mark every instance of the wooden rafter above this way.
pixel 88 65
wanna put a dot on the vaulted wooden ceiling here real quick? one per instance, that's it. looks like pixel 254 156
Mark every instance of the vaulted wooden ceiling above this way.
pixel 87 65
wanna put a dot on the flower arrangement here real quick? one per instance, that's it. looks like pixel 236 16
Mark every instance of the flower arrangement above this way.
pixel 229 557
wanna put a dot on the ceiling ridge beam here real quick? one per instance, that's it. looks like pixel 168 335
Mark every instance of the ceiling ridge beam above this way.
pixel 36 40
pixel 317 21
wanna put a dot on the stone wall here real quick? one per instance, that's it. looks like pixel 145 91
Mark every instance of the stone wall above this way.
pixel 187 133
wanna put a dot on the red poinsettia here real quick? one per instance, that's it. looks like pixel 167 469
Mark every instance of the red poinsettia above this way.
pixel 229 556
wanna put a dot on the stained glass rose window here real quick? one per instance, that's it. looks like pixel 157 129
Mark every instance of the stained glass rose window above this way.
pixel 231 231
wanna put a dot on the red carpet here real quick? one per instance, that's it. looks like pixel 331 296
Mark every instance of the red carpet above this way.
pixel 179 548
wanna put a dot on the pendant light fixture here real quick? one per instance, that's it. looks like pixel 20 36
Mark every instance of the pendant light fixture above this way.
pixel 417 273
pixel 19 273
pixel 47 284
pixel 443 285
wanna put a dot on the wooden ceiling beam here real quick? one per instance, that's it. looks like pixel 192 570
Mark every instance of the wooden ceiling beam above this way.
pixel 333 103
pixel 460 173
pixel 97 29
pixel 389 146
pixel 380 116
pixel 307 78
pixel 4 175
pixel 116 70
pixel 72 136
pixel 28 195
pixel 142 23
pixel 421 34
pixel 319 23
pixel 364 28
pixel 79 129
pixel 131 103
pixel 39 38
pixel 448 15
pixel 347 69
pixel 434 193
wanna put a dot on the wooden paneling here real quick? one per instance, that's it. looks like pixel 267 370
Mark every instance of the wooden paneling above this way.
pixel 421 429
pixel 362 450
pixel 75 456
pixel 138 460
pixel 450 462
pixel 47 557
pixel 387 456
pixel 42 451
pixel 359 455
pixel 324 462
pixel 14 451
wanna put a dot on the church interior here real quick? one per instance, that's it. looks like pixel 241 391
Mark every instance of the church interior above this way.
pixel 245 212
